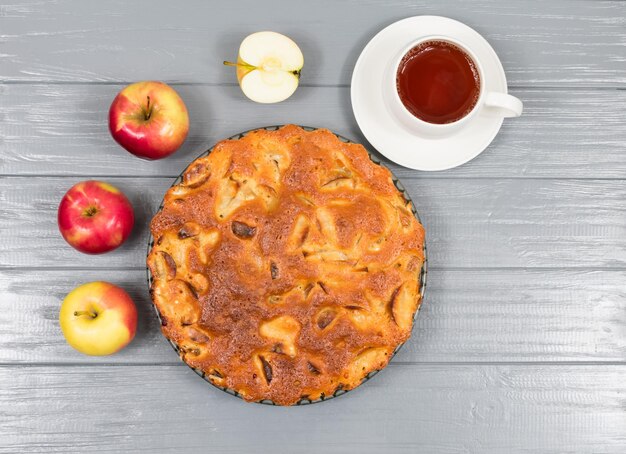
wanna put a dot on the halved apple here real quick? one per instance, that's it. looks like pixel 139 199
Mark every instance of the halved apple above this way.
pixel 268 67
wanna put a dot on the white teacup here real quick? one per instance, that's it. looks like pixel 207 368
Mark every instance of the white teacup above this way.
pixel 498 104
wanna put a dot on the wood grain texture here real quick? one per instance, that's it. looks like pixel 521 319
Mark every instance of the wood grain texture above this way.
pixel 469 222
pixel 62 130
pixel 520 346
pixel 445 409
pixel 469 315
pixel 538 42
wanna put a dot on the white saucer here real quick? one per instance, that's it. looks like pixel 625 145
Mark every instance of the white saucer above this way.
pixel 388 135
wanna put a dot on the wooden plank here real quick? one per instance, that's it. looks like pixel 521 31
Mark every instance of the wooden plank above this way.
pixel 468 315
pixel 469 222
pixel 443 408
pixel 62 130
pixel 546 43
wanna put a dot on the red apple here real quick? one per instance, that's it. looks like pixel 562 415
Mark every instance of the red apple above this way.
pixel 95 217
pixel 149 119
pixel 98 318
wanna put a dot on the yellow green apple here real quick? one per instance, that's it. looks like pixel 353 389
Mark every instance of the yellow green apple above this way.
pixel 98 318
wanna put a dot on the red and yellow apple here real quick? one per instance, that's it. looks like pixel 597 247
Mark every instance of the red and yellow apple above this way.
pixel 149 119
pixel 95 217
pixel 98 318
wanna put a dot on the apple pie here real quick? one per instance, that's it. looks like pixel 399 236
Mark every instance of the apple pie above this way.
pixel 286 265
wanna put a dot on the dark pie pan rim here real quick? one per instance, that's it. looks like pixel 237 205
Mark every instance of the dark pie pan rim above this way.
pixel 422 278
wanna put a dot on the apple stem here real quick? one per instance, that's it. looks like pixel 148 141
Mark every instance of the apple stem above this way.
pixel 90 211
pixel 243 65
pixel 81 313
pixel 148 112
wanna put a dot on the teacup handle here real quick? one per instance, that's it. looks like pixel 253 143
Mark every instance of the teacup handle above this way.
pixel 509 105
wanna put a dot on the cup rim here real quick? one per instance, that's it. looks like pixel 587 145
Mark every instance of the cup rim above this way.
pixel 396 96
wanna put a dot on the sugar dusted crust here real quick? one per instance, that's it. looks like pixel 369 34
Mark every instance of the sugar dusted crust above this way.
pixel 286 265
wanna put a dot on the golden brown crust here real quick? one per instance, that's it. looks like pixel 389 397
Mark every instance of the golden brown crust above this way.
pixel 286 265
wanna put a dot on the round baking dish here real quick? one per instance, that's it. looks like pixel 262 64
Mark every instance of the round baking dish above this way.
pixel 422 278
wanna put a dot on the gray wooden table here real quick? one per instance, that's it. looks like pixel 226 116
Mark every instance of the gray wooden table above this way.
pixel 521 343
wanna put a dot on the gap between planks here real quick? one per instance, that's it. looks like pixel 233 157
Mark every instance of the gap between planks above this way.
pixel 566 269
pixel 393 363
pixel 419 175
pixel 221 84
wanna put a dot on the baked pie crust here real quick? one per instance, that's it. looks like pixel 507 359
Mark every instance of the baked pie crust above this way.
pixel 286 265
